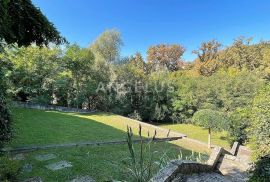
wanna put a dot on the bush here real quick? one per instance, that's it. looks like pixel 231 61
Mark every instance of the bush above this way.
pixel 261 171
pixel 135 115
pixel 5 119
pixel 9 169
pixel 238 126
pixel 260 125
pixel 260 133
pixel 210 119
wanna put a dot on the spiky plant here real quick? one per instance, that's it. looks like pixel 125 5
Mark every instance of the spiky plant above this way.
pixel 142 163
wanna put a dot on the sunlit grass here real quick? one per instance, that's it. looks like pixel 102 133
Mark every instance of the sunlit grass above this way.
pixel 199 133
pixel 103 163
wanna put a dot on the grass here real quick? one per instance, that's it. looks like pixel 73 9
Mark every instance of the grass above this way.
pixel 45 127
pixel 199 133
pixel 103 163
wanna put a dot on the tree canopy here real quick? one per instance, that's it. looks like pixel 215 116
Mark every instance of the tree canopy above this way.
pixel 23 23
pixel 165 56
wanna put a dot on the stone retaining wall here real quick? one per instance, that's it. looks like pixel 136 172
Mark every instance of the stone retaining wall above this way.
pixel 233 164
pixel 81 144
pixel 177 167
pixel 50 107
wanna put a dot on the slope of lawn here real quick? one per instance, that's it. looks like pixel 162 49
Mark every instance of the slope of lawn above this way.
pixel 199 133
pixel 103 163
pixel 49 127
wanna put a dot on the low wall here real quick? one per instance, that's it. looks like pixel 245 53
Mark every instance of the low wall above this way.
pixel 50 107
pixel 176 167
pixel 233 164
pixel 236 163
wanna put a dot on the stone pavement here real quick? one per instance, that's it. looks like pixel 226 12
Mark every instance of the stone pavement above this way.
pixel 54 166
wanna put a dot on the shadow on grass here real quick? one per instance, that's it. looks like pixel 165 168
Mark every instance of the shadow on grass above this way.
pixel 36 127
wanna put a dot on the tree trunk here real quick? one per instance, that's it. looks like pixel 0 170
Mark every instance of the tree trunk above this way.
pixel 209 138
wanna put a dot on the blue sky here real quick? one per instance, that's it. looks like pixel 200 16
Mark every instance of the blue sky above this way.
pixel 148 22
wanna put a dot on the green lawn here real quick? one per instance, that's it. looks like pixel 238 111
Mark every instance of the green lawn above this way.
pixel 45 127
pixel 199 133
pixel 103 163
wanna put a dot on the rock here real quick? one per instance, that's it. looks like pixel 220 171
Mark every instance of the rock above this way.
pixel 209 177
pixel 166 173
pixel 45 157
pixel 19 157
pixel 34 179
pixel 179 177
pixel 83 179
pixel 214 156
pixel 59 165
pixel 27 168
pixel 234 148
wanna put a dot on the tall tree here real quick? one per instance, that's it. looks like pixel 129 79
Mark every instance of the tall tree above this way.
pixel 138 62
pixel 207 53
pixel 107 46
pixel 243 55
pixel 165 56
pixel 34 72
pixel 22 23
pixel 79 62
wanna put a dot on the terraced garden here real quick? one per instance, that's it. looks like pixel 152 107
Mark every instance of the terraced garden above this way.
pixel 102 163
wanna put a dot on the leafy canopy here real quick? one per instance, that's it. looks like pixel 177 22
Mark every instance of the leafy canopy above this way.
pixel 23 23
pixel 210 119
pixel 260 118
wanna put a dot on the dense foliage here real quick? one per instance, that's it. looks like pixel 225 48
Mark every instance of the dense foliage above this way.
pixel 260 122
pixel 224 88
pixel 223 82
pixel 9 169
pixel 210 119
pixel 21 23
pixel 5 128
pixel 261 170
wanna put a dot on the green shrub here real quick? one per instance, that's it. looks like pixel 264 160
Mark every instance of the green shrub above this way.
pixel 135 115
pixel 261 170
pixel 212 120
pixel 260 134
pixel 260 125
pixel 9 169
pixel 5 118
pixel 238 126
pixel 208 118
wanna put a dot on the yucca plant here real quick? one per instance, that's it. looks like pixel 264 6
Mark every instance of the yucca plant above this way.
pixel 142 163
